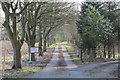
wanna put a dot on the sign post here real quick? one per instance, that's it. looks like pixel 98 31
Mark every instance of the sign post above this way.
pixel 30 59
pixel 33 50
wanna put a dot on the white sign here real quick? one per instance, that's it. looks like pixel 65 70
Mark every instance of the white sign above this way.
pixel 34 50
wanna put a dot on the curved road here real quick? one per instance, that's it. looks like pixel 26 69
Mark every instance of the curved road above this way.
pixel 100 70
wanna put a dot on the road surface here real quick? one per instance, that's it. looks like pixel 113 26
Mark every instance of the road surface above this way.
pixel 52 70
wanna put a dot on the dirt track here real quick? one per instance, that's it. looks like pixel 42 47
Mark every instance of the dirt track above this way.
pixel 52 70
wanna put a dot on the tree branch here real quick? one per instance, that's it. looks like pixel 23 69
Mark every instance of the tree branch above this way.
pixel 23 9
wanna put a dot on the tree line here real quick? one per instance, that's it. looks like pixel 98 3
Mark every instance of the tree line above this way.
pixel 99 29
pixel 33 22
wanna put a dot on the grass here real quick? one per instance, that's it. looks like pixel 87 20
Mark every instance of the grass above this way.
pixel 76 61
pixel 71 51
pixel 55 44
pixel 69 48
pixel 11 73
pixel 117 55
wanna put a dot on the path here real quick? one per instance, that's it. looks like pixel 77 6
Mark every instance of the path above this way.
pixel 101 70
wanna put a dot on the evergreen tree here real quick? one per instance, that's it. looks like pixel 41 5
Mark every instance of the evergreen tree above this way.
pixel 93 28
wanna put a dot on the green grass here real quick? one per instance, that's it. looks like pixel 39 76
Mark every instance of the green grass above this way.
pixel 55 44
pixel 69 48
pixel 117 55
pixel 20 72
pixel 71 51
pixel 76 60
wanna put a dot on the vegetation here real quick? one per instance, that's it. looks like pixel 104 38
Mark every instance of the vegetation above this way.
pixel 60 37
pixel 10 23
pixel 11 73
pixel 33 22
pixel 74 57
pixel 97 30
pixel 55 44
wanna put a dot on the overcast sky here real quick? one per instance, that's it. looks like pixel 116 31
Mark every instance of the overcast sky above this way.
pixel 1 12
pixel 77 1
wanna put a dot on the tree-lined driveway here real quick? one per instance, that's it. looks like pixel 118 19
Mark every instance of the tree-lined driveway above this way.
pixel 70 70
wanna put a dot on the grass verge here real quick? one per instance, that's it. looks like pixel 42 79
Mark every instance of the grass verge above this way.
pixel 76 60
pixel 12 73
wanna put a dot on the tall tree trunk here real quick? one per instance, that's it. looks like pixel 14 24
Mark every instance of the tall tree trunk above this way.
pixel 17 57
pixel 48 41
pixel 81 56
pixel 16 45
pixel 93 52
pixel 118 42
pixel 113 51
pixel 44 46
pixel 104 51
pixel 109 52
pixel 40 42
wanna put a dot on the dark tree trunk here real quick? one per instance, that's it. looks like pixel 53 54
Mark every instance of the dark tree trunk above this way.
pixel 93 52
pixel 32 57
pixel 118 42
pixel 113 51
pixel 81 56
pixel 16 45
pixel 40 42
pixel 40 48
pixel 44 46
pixel 104 51
pixel 17 57
pixel 109 52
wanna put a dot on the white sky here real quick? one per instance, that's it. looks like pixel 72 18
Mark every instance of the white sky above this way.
pixel 1 12
pixel 77 1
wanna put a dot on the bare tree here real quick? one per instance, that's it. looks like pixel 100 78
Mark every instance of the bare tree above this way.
pixel 10 9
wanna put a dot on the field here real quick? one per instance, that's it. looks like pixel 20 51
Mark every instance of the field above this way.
pixel 7 53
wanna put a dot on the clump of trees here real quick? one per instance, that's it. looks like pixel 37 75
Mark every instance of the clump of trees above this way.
pixel 99 30
pixel 98 26
pixel 32 22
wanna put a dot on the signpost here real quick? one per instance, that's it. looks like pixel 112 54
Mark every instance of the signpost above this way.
pixel 33 50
